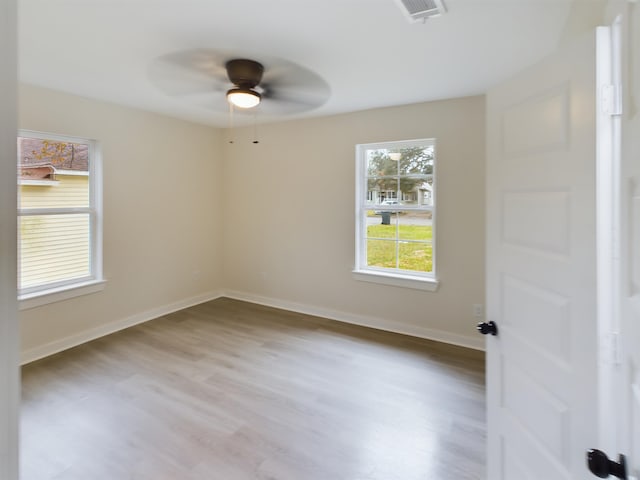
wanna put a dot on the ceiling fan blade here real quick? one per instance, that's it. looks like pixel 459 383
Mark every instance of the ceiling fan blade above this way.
pixel 290 88
pixel 208 100
pixel 294 99
pixel 188 72
pixel 194 74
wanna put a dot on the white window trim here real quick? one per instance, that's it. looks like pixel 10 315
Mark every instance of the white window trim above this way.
pixel 57 294
pixel 396 280
pixel 393 277
pixel 45 294
pixel 73 173
pixel 39 183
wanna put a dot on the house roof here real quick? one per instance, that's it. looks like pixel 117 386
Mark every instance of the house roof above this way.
pixel 365 51
pixel 36 171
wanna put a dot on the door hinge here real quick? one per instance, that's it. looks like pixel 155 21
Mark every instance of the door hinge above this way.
pixel 616 351
pixel 611 100
pixel 610 351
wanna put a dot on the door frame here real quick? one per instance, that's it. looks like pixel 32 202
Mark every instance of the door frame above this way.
pixel 9 336
pixel 623 15
pixel 608 158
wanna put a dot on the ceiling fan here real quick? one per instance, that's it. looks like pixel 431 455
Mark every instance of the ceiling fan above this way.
pixel 245 75
pixel 212 79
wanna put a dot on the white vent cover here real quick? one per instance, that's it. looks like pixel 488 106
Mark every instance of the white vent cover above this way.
pixel 416 10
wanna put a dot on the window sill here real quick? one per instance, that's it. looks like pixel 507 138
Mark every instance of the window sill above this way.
pixel 396 280
pixel 44 297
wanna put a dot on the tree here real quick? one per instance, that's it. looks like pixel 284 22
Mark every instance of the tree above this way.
pixel 61 154
pixel 404 174
pixel 55 152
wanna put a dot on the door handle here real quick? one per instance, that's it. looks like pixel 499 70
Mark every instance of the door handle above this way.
pixel 488 327
pixel 600 465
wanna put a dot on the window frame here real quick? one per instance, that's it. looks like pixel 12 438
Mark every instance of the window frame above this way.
pixel 390 276
pixel 65 289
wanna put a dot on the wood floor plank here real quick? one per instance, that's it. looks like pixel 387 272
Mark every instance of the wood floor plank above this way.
pixel 229 390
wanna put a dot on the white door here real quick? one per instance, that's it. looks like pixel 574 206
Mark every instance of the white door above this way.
pixel 629 390
pixel 541 269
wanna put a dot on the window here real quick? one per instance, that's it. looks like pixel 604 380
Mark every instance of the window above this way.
pixel 395 213
pixel 59 218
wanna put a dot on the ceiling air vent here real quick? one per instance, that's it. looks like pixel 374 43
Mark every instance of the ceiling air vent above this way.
pixel 417 10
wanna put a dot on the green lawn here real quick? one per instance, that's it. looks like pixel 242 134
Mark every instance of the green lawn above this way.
pixel 416 254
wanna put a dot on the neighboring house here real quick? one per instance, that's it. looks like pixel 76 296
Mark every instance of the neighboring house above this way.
pixel 420 195
pixel 48 185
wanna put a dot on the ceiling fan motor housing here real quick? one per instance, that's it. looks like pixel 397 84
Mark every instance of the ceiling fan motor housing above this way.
pixel 244 73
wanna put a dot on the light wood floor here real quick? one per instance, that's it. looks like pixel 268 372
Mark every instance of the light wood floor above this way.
pixel 233 391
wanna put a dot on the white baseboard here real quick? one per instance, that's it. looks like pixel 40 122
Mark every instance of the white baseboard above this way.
pixel 56 346
pixel 365 321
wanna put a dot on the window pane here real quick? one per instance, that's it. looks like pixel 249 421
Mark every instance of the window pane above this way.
pixel 382 225
pixel 381 253
pixel 52 174
pixel 53 248
pixel 414 190
pixel 373 192
pixel 415 226
pixel 426 193
pixel 381 164
pixel 416 161
pixel 383 192
pixel 416 256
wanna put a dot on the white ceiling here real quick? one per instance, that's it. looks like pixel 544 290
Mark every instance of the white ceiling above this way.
pixel 366 51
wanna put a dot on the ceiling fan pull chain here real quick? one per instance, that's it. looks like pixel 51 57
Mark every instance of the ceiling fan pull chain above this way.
pixel 255 128
pixel 231 140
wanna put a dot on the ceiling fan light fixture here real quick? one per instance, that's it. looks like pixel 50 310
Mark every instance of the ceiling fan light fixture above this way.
pixel 243 97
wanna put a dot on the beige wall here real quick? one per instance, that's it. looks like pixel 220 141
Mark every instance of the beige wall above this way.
pixel 162 215
pixel 280 214
pixel 583 18
pixel 284 207
pixel 289 218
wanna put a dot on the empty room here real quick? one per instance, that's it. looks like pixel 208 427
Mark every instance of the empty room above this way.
pixel 320 240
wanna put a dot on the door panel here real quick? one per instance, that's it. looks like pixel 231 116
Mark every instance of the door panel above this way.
pixel 549 313
pixel 541 269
